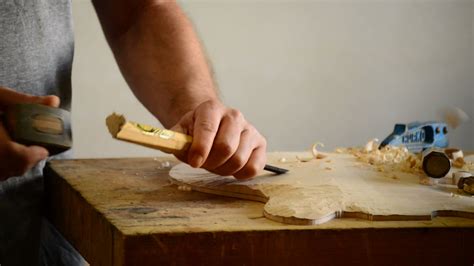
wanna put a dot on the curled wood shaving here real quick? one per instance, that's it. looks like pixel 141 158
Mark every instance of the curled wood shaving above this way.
pixel 456 156
pixel 314 150
pixel 315 154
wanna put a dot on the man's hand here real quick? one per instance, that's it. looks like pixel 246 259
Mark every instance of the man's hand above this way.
pixel 163 62
pixel 16 159
pixel 223 141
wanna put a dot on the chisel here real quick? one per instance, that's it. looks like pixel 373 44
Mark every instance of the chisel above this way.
pixel 162 139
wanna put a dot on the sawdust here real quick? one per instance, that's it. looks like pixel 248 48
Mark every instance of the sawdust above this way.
pixel 388 158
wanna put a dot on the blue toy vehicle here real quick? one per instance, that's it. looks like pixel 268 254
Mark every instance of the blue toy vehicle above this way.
pixel 418 136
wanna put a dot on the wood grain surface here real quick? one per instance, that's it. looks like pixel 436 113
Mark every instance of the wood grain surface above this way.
pixel 125 212
pixel 338 186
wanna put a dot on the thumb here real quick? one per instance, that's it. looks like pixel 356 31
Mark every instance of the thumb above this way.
pixel 10 97
pixel 50 100
pixel 36 154
pixel 185 126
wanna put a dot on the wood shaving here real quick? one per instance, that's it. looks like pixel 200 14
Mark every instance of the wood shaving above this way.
pixel 321 156
pixel 456 156
pixel 371 145
pixel 459 162
pixel 304 159
pixel 282 160
pixel 315 152
pixel 165 164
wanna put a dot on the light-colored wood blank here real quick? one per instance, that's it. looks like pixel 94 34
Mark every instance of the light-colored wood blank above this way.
pixel 338 186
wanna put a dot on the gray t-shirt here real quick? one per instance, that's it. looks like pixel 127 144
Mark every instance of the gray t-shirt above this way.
pixel 36 52
pixel 36 47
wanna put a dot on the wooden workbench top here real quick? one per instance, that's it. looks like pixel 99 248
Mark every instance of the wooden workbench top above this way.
pixel 125 212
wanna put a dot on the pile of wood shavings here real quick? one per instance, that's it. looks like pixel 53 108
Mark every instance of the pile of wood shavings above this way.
pixel 387 159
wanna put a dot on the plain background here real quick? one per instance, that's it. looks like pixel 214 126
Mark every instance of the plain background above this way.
pixel 338 72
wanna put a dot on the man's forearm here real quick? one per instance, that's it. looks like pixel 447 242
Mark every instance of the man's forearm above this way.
pixel 160 57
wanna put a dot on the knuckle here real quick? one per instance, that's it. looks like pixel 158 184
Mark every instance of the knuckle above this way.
pixel 235 114
pixel 238 161
pixel 251 130
pixel 207 126
pixel 224 148
pixel 212 105
pixel 198 150
pixel 250 170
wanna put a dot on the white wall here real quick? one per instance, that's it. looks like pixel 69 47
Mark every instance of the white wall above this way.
pixel 339 72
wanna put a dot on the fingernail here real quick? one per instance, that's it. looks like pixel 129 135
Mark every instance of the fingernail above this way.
pixel 196 161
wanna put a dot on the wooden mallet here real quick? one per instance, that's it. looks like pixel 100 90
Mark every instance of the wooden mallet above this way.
pixel 35 124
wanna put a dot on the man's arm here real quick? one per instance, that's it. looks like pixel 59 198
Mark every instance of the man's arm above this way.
pixel 162 60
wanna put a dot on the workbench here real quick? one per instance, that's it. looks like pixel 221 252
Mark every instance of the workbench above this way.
pixel 125 212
